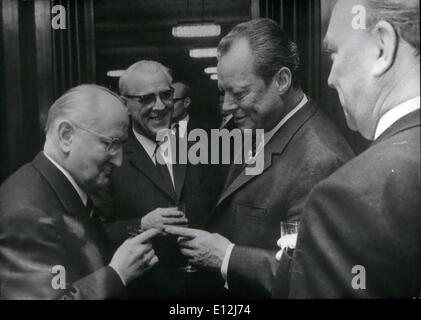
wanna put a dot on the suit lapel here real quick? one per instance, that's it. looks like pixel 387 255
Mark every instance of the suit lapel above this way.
pixel 138 157
pixel 61 185
pixel 274 147
pixel 78 221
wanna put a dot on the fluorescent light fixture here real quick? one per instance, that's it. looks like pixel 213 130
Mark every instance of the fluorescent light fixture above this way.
pixel 115 73
pixel 203 53
pixel 197 30
pixel 214 76
pixel 210 70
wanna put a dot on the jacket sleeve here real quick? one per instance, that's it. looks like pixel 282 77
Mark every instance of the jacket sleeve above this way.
pixel 30 248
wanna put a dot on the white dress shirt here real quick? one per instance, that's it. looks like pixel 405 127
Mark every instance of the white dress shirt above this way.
pixel 182 126
pixel 150 147
pixel 267 136
pixel 396 113
pixel 82 194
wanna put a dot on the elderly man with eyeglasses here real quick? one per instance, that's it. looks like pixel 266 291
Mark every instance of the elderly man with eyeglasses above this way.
pixel 147 192
pixel 52 244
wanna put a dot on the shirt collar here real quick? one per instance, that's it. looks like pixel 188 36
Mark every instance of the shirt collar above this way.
pixel 396 113
pixel 183 125
pixel 82 194
pixel 271 133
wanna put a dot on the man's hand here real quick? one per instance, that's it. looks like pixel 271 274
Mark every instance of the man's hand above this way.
pixel 201 248
pixel 162 217
pixel 135 256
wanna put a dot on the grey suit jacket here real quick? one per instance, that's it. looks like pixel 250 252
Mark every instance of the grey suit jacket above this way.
pixel 305 150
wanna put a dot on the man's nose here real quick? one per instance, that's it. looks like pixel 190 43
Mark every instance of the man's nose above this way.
pixel 159 105
pixel 117 159
pixel 228 106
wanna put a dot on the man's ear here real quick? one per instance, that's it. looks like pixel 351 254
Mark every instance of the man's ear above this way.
pixel 187 102
pixel 386 42
pixel 65 132
pixel 283 80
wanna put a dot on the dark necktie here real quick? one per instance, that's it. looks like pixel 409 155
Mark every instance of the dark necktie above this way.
pixel 90 207
pixel 162 167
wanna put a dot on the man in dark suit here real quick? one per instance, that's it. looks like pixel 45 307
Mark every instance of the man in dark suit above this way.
pixel 146 194
pixel 183 102
pixel 360 233
pixel 52 245
pixel 300 148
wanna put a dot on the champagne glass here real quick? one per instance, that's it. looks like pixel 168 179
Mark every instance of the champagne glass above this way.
pixel 289 232
pixel 189 268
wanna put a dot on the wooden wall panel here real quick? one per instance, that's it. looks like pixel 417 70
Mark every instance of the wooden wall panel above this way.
pixel 38 64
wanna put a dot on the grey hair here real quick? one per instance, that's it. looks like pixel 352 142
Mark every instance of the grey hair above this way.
pixel 403 15
pixel 75 104
pixel 145 66
pixel 271 47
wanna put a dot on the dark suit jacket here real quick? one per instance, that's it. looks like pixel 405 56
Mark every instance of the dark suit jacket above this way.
pixel 43 223
pixel 368 214
pixel 137 189
pixel 305 150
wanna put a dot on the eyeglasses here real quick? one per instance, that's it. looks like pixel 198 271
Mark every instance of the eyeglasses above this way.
pixel 113 145
pixel 178 99
pixel 165 96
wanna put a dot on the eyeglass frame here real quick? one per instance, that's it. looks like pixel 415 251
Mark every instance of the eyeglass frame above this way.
pixel 142 96
pixel 179 99
pixel 110 141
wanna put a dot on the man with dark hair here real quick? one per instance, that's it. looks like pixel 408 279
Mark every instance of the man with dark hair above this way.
pixel 182 115
pixel 360 233
pixel 257 67
pixel 52 244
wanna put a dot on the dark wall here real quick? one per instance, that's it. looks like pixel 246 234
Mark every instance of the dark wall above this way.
pixel 38 64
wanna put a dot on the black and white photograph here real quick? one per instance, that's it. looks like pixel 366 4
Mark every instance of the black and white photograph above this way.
pixel 210 154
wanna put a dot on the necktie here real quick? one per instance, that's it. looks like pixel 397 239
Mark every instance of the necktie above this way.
pixel 90 207
pixel 161 165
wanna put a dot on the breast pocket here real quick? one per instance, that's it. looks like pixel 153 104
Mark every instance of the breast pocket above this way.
pixel 249 224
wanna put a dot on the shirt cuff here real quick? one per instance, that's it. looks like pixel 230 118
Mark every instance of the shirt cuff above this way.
pixel 115 270
pixel 224 266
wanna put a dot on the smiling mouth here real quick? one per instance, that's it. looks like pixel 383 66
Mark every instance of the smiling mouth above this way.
pixel 158 117
pixel 239 119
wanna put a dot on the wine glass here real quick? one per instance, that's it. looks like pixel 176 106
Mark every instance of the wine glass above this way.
pixel 189 268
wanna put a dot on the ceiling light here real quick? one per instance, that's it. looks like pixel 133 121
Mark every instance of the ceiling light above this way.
pixel 115 73
pixel 203 53
pixel 210 70
pixel 197 30
pixel 214 76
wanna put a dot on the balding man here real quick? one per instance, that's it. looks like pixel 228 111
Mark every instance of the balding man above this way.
pixel 52 244
pixel 360 235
